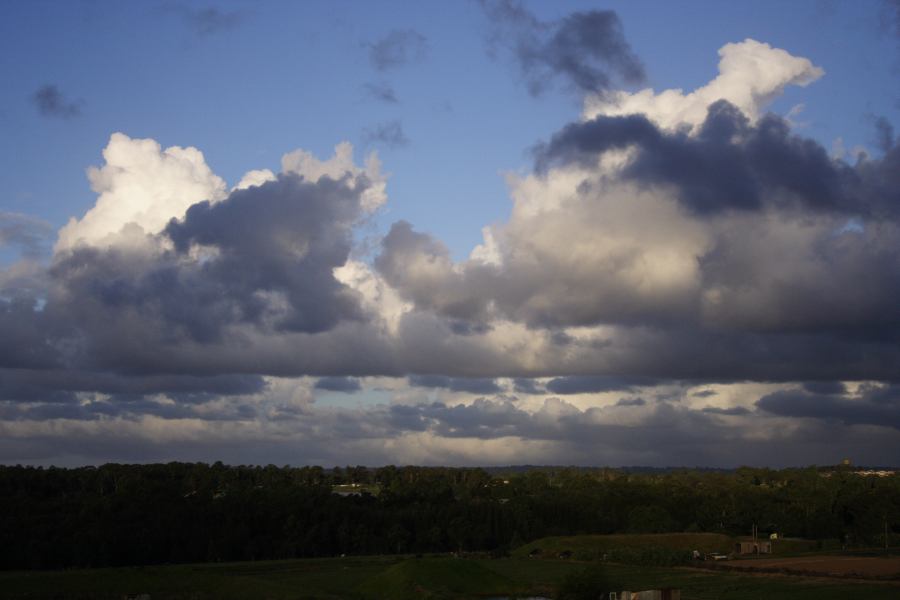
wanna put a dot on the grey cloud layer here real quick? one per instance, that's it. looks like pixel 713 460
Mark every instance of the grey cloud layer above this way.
pixel 558 433
pixel 874 405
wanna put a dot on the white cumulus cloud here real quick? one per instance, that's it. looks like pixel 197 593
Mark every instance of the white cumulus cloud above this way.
pixel 751 75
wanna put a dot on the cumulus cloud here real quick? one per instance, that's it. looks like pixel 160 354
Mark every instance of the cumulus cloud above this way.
pixel 397 48
pixel 585 49
pixel 656 257
pixel 141 186
pixel 51 102
pixel 751 75
pixel 734 225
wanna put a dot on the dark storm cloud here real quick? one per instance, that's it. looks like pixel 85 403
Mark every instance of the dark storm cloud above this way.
pixel 347 385
pixel 874 405
pixel 389 134
pixel 32 236
pixel 456 384
pixel 586 49
pixel 381 91
pixel 29 335
pixel 524 385
pixel 631 402
pixel 581 384
pixel 729 164
pixel 280 240
pixel 38 385
pixel 269 256
pixel 51 102
pixel 397 48
pixel 825 387
pixel 126 407
pixel 284 236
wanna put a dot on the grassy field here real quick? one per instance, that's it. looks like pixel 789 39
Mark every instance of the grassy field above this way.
pixel 399 577
pixel 593 546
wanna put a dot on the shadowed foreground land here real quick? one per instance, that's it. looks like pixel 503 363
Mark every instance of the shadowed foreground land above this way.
pixel 405 577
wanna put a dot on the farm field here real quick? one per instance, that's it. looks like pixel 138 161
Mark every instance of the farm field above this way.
pixel 591 546
pixel 401 577
pixel 840 566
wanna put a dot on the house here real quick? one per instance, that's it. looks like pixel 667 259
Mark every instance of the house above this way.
pixel 753 547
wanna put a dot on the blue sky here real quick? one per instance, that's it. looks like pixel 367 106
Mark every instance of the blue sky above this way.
pixel 633 267
pixel 283 75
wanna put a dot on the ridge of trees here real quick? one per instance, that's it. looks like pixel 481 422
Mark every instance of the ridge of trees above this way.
pixel 119 514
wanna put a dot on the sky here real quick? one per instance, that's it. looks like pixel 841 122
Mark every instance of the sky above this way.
pixel 462 233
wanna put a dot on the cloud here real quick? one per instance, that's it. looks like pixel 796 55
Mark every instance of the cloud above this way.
pixel 399 47
pixel 32 236
pixel 751 75
pixel 141 186
pixel 730 411
pixel 631 402
pixel 347 385
pixel 738 225
pixel 381 91
pixel 456 384
pixel 523 385
pixel 585 49
pixel 726 249
pixel 204 21
pixel 892 16
pixel 873 405
pixel 825 387
pixel 389 134
pixel 885 139
pixel 729 164
pixel 51 102
pixel 585 384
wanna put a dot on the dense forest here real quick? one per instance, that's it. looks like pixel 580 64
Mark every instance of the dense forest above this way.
pixel 179 512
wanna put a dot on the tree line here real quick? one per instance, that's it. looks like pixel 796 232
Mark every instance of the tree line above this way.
pixel 118 514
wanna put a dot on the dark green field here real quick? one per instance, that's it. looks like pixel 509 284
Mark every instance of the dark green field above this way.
pixel 408 577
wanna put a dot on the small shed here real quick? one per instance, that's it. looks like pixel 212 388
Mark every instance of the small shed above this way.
pixel 753 547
